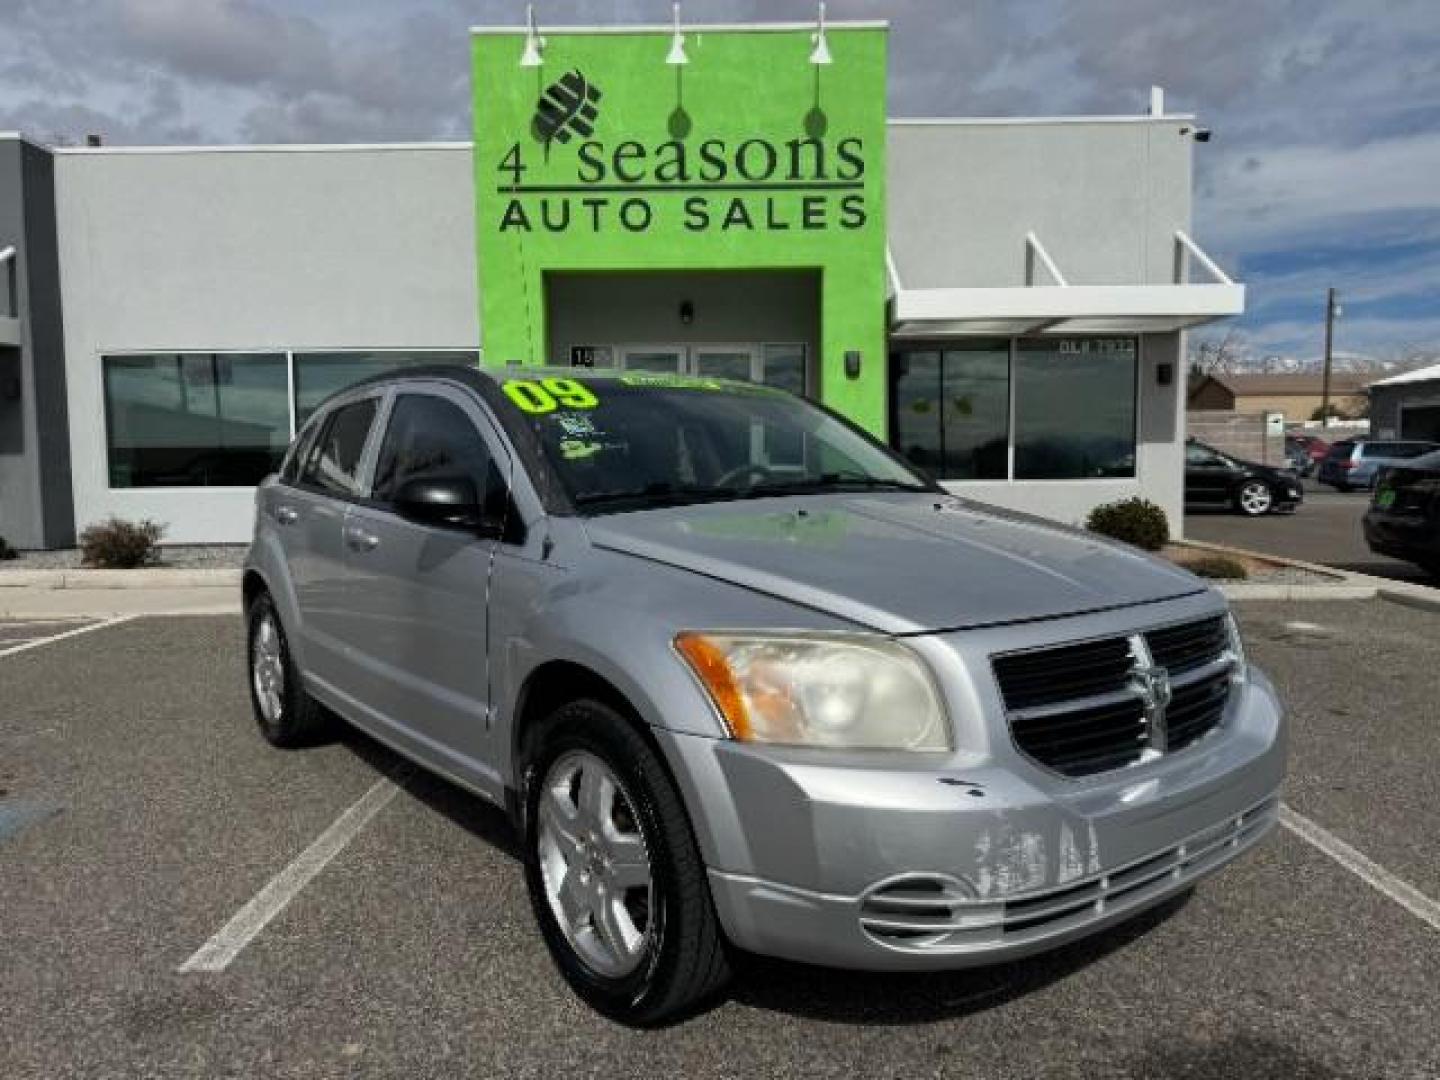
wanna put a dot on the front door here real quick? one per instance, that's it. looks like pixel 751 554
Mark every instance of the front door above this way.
pixel 420 591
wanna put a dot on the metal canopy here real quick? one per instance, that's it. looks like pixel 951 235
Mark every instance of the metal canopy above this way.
pixel 1058 307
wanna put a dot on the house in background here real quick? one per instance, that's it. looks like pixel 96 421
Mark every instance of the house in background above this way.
pixel 1297 395
pixel 1407 406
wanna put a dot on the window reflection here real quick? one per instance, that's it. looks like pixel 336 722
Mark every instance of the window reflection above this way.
pixel 318 375
pixel 195 419
pixel 1075 408
pixel 951 410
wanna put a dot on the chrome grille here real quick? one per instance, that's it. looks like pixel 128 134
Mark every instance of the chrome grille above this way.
pixel 1183 648
pixel 1094 706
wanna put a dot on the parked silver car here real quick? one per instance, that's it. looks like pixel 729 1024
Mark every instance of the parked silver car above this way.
pixel 745 679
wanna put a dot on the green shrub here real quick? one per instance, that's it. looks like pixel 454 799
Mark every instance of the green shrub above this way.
pixel 121 545
pixel 1217 566
pixel 6 551
pixel 1135 521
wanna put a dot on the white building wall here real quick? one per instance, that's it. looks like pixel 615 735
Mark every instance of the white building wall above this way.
pixel 251 249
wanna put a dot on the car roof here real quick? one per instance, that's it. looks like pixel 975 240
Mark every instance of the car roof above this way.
pixel 478 376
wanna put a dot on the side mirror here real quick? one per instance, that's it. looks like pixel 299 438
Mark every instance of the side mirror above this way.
pixel 449 502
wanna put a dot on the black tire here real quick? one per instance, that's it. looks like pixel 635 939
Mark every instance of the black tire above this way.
pixel 301 720
pixel 685 962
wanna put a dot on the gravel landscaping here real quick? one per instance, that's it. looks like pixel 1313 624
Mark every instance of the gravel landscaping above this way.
pixel 172 557
pixel 1260 571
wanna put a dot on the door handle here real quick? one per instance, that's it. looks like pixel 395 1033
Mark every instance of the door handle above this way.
pixel 287 515
pixel 361 540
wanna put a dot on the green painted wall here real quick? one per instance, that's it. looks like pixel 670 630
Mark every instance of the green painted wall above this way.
pixel 747 157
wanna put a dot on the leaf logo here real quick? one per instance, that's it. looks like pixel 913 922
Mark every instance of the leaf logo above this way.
pixel 569 106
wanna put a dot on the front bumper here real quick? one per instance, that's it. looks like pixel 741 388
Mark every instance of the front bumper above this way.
pixel 871 866
pixel 1413 539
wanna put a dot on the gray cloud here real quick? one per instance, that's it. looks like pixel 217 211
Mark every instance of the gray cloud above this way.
pixel 1326 112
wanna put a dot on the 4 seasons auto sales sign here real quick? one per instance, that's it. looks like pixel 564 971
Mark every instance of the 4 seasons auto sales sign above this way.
pixel 604 157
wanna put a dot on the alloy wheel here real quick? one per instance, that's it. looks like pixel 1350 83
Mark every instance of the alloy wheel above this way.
pixel 1255 498
pixel 267 668
pixel 594 864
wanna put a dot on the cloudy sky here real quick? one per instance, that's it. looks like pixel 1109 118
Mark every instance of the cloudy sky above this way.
pixel 1324 168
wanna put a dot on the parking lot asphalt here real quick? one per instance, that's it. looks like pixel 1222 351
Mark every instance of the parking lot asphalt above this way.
pixel 1325 530
pixel 139 811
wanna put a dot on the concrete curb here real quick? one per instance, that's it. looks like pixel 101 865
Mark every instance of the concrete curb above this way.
pixel 1349 585
pixel 153 578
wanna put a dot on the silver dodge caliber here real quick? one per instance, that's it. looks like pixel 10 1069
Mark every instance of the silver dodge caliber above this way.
pixel 744 679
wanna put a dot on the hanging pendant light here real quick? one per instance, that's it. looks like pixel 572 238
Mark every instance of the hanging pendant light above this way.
pixel 534 43
pixel 677 41
pixel 821 53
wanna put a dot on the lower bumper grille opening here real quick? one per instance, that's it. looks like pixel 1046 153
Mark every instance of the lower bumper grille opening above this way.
pixel 937 914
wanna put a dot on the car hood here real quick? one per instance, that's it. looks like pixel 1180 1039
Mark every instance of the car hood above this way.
pixel 899 563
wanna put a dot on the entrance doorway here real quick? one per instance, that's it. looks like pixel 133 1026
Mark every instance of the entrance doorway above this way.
pixel 758 325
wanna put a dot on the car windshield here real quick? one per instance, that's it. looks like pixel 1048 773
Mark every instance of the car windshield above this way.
pixel 638 441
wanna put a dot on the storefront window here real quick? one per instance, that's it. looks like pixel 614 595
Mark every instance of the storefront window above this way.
pixel 195 419
pixel 951 410
pixel 318 375
pixel 1075 408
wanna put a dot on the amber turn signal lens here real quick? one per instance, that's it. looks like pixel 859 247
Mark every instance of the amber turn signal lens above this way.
pixel 712 668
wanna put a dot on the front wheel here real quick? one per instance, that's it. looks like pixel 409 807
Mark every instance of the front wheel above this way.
pixel 286 714
pixel 1254 498
pixel 615 877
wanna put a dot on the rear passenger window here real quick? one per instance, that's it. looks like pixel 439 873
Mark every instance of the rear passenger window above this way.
pixel 432 438
pixel 334 467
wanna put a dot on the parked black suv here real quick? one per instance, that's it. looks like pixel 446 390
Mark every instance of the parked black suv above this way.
pixel 1404 516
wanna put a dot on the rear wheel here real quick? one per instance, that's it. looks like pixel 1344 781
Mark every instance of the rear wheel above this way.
pixel 1254 498
pixel 286 715
pixel 615 877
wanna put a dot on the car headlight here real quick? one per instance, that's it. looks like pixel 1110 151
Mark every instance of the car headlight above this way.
pixel 819 690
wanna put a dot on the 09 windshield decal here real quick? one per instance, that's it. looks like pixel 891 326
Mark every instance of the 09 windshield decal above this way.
pixel 539 396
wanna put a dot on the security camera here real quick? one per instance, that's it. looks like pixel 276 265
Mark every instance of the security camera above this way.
pixel 1202 134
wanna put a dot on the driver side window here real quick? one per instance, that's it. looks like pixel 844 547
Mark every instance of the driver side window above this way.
pixel 1195 454
pixel 430 438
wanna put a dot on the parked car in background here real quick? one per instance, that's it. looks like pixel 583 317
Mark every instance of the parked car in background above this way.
pixel 1403 521
pixel 1215 480
pixel 1308 450
pixel 743 677
pixel 1352 464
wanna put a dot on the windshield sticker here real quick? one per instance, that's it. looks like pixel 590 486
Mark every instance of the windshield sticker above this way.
pixel 576 425
pixel 579 449
pixel 546 395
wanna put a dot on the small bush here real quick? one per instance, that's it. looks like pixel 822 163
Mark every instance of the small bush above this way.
pixel 1217 566
pixel 1135 521
pixel 6 551
pixel 121 545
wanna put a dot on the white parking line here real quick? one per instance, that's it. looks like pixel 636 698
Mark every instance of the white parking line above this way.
pixel 216 954
pixel 1369 871
pixel 37 642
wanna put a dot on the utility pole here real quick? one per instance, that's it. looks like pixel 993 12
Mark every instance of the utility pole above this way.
pixel 1329 342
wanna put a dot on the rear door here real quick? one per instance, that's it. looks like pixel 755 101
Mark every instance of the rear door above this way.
pixel 312 516
pixel 420 592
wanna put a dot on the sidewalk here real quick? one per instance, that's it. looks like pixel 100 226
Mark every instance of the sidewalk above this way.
pixel 40 594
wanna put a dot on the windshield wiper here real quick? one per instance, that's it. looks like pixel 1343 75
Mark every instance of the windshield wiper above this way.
pixel 660 493
pixel 833 481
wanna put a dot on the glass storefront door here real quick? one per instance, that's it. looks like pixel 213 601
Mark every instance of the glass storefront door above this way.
pixel 781 365
pixel 672 359
pixel 727 361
